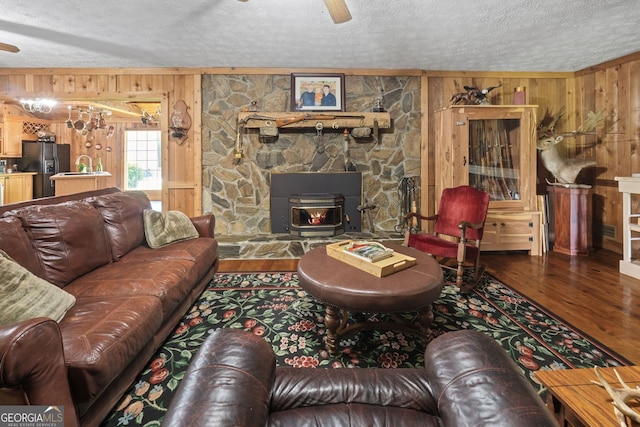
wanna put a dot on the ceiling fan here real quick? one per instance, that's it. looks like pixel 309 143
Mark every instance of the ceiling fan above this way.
pixel 9 48
pixel 337 9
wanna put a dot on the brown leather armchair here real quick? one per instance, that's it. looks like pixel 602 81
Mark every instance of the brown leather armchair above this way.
pixel 468 380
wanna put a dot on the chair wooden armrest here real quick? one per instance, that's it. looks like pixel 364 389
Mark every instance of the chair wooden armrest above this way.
pixel 410 215
pixel 463 228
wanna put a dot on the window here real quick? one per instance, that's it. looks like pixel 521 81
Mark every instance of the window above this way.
pixel 144 169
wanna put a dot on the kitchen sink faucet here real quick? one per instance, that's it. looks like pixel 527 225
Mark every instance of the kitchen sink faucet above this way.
pixel 90 162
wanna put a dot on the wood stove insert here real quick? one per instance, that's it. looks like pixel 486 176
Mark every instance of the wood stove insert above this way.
pixel 285 185
pixel 316 214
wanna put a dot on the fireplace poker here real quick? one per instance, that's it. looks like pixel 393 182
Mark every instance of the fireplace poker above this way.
pixel 238 148
pixel 368 207
pixel 407 194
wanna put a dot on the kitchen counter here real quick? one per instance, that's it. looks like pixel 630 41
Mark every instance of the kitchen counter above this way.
pixel 71 183
pixel 17 173
pixel 74 175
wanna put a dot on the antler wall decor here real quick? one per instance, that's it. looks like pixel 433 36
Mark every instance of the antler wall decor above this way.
pixel 620 398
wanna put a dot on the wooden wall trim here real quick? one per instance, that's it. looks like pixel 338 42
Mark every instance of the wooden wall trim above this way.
pixel 606 183
pixel 500 74
pixel 214 70
pixel 197 143
pixel 609 64
pixel 426 183
pixel 253 70
pixel 89 96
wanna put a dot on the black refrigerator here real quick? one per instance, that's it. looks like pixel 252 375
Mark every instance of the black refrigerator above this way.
pixel 46 158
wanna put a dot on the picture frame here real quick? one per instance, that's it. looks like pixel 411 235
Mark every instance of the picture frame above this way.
pixel 317 92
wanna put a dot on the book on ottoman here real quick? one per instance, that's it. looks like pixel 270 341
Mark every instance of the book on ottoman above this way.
pixel 368 251
pixel 380 268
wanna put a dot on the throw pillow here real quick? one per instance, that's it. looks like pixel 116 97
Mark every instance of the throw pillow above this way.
pixel 25 296
pixel 162 228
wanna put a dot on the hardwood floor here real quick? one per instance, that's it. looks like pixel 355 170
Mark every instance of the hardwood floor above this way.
pixel 587 292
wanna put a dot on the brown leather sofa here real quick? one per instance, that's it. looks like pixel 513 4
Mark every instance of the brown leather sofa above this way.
pixel 129 297
pixel 468 380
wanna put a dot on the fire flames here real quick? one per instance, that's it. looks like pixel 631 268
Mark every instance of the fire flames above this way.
pixel 317 218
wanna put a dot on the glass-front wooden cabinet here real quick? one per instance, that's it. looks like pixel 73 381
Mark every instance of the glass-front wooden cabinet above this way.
pixel 493 148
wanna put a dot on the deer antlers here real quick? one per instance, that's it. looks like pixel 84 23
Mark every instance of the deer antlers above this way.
pixel 620 398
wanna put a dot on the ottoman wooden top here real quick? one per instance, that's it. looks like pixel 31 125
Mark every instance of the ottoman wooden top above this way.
pixel 339 284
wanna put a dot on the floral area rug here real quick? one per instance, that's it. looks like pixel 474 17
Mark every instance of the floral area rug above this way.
pixel 273 305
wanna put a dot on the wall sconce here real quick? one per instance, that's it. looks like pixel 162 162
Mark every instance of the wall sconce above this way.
pixel 180 122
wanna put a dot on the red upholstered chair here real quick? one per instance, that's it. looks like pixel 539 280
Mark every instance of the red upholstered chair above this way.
pixel 457 231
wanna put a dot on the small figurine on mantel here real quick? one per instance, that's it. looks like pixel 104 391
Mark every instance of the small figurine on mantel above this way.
pixel 378 104
pixel 564 170
pixel 473 96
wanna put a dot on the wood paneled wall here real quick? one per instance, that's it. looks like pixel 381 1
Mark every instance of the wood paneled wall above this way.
pixel 181 163
pixel 613 86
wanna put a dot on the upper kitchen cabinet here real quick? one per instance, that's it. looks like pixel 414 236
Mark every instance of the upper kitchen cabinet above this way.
pixel 10 137
pixel 15 129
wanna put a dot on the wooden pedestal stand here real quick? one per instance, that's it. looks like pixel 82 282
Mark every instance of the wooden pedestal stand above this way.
pixel 572 220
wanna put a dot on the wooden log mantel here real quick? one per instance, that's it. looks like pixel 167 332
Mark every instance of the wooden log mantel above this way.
pixel 309 119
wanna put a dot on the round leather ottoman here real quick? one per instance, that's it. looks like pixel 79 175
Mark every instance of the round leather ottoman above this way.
pixel 343 288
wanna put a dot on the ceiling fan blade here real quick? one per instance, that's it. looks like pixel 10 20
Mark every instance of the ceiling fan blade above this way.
pixel 338 11
pixel 9 48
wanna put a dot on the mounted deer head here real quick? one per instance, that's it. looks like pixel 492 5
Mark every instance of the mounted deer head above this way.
pixel 564 170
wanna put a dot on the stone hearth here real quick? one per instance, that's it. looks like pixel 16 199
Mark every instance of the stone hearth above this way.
pixel 284 246
pixel 237 190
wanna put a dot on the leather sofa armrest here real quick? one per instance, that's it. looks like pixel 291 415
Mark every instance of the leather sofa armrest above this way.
pixel 205 224
pixel 228 383
pixel 476 383
pixel 32 363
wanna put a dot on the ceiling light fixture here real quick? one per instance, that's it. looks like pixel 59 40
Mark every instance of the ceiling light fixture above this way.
pixel 44 106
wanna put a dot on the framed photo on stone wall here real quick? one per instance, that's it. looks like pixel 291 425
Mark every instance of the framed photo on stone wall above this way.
pixel 317 92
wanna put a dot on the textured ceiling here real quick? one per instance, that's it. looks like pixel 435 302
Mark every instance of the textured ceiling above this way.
pixel 464 35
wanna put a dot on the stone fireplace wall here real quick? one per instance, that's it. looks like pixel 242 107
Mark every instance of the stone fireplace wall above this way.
pixel 237 190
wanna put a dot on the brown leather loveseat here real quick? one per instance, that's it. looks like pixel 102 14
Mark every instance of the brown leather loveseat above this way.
pixel 468 380
pixel 128 298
